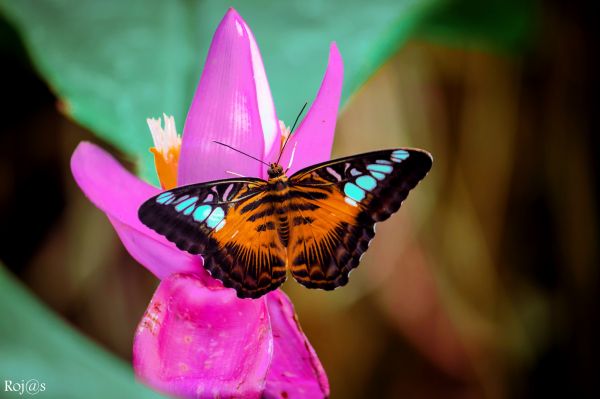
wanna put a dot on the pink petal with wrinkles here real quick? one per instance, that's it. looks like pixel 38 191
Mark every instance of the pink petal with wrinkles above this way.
pixel 232 104
pixel 314 136
pixel 197 342
pixel 296 371
pixel 118 193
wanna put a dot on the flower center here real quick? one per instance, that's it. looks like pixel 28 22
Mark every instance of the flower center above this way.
pixel 167 144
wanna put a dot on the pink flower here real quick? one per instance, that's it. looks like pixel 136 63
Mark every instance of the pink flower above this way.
pixel 197 339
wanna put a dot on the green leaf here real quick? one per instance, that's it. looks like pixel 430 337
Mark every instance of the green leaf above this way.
pixel 115 63
pixel 36 345
pixel 500 25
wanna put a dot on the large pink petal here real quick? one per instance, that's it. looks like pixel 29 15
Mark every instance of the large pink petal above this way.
pixel 118 193
pixel 296 371
pixel 314 137
pixel 198 342
pixel 232 104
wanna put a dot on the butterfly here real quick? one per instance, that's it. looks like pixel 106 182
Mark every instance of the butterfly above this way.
pixel 318 223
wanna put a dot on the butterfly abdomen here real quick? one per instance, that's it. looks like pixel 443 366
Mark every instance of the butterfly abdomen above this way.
pixel 280 194
pixel 284 228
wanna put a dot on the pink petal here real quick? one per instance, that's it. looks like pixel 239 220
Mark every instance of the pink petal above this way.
pixel 314 136
pixel 232 104
pixel 296 371
pixel 118 193
pixel 198 342
pixel 159 256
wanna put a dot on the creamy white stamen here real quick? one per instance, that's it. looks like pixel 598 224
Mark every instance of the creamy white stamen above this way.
pixel 164 139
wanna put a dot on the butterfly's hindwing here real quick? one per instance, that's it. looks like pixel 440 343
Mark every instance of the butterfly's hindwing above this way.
pixel 347 196
pixel 222 221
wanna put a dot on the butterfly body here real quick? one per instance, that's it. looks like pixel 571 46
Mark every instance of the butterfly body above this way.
pixel 317 223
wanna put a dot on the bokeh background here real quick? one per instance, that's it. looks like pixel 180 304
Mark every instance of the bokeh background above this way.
pixel 484 285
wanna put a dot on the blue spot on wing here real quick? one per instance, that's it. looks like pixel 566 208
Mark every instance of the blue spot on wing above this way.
pixel 366 182
pixel 215 217
pixel 201 213
pixel 380 168
pixel 188 211
pixel 378 176
pixel 354 192
pixel 399 155
pixel 164 197
pixel 165 194
pixel 184 204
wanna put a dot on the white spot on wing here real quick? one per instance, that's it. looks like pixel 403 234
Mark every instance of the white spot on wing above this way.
pixel 350 201
pixel 220 225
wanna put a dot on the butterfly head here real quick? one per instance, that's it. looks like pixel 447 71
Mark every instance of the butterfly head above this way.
pixel 275 170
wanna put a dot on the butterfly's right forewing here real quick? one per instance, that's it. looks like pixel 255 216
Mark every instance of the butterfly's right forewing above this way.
pixel 336 206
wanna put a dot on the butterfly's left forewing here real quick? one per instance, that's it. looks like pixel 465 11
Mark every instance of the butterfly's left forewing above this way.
pixel 335 205
pixel 225 222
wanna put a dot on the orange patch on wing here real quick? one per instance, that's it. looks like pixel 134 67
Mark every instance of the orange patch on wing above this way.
pixel 255 242
pixel 316 241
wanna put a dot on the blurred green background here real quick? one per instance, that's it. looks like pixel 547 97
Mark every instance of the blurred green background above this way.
pixel 484 285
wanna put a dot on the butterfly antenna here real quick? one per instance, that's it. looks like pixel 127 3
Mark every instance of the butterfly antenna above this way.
pixel 241 152
pixel 291 131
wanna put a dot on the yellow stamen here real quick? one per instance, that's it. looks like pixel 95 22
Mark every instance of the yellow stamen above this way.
pixel 167 145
